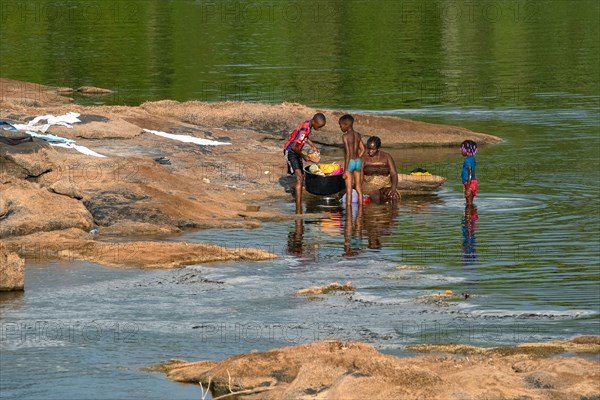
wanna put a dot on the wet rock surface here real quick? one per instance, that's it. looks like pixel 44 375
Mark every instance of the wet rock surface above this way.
pixel 352 370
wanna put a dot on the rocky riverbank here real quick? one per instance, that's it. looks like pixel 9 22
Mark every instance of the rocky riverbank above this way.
pixel 150 185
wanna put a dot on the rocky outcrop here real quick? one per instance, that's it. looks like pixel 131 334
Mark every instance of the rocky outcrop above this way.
pixel 66 187
pixel 27 160
pixel 49 189
pixel 12 271
pixel 31 94
pixel 352 370
pixel 30 208
pixel 76 244
pixel 109 128
pixel 279 120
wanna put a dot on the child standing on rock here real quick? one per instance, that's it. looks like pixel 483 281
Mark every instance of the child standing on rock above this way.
pixel 293 152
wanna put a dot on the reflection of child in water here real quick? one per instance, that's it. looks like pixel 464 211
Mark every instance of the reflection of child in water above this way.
pixel 353 232
pixel 469 226
pixel 296 246
pixel 295 239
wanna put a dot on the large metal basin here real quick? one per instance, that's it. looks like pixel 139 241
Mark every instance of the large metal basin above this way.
pixel 323 185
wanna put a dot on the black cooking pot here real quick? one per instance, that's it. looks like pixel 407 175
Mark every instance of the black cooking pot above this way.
pixel 323 185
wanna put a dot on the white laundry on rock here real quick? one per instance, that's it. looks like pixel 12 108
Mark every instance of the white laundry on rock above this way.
pixel 187 139
pixel 81 149
pixel 32 128
pixel 63 120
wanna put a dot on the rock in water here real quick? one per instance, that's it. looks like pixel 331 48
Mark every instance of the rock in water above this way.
pixel 91 90
pixel 12 271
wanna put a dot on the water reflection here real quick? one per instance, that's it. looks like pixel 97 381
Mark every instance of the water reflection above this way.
pixel 295 239
pixel 378 221
pixel 353 231
pixel 469 226
pixel 296 243
pixel 11 300
pixel 372 222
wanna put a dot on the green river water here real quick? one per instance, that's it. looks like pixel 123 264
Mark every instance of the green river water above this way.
pixel 526 71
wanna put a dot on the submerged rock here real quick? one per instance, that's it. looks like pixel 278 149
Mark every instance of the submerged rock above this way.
pixel 332 287
pixel 92 90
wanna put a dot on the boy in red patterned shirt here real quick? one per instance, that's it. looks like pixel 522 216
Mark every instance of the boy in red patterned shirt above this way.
pixel 293 152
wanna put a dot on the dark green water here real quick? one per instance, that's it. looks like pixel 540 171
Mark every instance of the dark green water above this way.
pixel 340 54
pixel 522 70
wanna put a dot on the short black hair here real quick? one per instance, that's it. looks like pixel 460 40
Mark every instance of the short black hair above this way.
pixel 347 118
pixel 320 117
pixel 375 140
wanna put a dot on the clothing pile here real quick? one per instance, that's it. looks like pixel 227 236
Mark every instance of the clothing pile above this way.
pixel 420 172
pixel 326 169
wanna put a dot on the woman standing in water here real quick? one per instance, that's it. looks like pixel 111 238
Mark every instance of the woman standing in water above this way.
pixel 380 178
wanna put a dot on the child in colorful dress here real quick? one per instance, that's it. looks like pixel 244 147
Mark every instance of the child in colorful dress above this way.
pixel 468 148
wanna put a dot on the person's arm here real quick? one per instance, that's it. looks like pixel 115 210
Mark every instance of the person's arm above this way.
pixel 311 144
pixel 361 147
pixel 469 170
pixel 392 194
pixel 346 153
pixel 297 150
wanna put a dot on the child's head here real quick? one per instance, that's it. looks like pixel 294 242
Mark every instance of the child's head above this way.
pixel 318 121
pixel 468 148
pixel 346 121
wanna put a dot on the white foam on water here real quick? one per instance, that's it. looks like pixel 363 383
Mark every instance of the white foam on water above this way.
pixel 534 313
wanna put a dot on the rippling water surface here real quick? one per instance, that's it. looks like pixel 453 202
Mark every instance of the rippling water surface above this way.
pixel 527 256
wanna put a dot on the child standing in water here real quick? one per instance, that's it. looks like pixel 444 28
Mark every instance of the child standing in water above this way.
pixel 468 148
pixel 353 151
pixel 293 152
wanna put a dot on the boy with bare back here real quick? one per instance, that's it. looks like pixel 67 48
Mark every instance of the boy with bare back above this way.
pixel 353 151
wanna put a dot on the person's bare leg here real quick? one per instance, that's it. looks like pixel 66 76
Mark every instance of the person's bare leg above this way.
pixel 358 186
pixel 298 190
pixel 348 181
pixel 469 197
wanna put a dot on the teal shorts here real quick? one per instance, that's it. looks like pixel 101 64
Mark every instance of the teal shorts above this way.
pixel 354 165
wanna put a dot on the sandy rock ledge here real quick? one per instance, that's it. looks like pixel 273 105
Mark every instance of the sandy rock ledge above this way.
pixel 12 271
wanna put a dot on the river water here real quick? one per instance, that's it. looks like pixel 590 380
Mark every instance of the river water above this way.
pixel 528 257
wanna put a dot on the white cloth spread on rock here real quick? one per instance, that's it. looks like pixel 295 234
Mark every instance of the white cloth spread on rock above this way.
pixel 50 137
pixel 68 118
pixel 81 149
pixel 187 139
pixel 63 120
